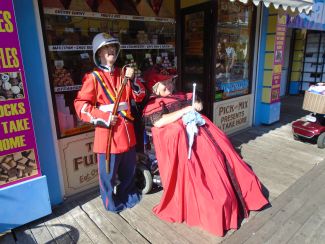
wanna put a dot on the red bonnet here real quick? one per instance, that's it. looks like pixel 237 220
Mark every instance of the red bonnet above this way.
pixel 155 75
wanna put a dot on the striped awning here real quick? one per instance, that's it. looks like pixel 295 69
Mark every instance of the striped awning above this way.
pixel 295 6
pixel 313 21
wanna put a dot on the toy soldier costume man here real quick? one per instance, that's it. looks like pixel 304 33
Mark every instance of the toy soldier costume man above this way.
pixel 94 103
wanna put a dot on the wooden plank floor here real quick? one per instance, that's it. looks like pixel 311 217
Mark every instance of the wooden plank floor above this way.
pixel 289 170
pixel 296 216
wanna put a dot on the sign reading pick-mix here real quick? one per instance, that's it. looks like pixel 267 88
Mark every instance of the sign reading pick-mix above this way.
pixel 18 155
pixel 233 114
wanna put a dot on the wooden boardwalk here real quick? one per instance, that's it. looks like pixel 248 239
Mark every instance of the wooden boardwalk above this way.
pixel 296 216
pixel 292 173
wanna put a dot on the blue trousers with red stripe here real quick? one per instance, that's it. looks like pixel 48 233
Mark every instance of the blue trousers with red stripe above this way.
pixel 120 176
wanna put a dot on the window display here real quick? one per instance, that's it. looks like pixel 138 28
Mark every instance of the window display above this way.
pixel 193 51
pixel 69 34
pixel 233 34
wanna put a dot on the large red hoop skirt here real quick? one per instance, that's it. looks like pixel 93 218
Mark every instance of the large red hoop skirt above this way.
pixel 200 191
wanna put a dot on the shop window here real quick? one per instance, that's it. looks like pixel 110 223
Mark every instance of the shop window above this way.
pixel 146 33
pixel 233 49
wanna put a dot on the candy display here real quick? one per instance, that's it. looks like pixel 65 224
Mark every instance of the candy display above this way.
pixel 80 5
pixel 11 86
pixel 69 35
pixel 62 77
pixel 66 119
pixel 17 165
pixel 142 37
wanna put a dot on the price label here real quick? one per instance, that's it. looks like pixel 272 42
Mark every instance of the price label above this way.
pixel 158 59
pixel 68 29
pixel 84 55
pixel 58 64
pixel 129 56
pixel 93 29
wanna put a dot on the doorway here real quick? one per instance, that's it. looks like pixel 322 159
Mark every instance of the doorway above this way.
pixel 196 52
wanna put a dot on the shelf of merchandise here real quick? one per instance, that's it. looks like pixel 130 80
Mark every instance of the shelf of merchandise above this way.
pixel 96 15
pixel 232 25
pixel 59 89
pixel 74 48
pixel 74 51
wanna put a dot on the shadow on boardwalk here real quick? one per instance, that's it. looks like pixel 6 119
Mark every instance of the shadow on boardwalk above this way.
pixel 290 171
pixel 291 110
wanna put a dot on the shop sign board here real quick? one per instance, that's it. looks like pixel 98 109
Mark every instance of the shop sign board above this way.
pixel 233 115
pixel 279 44
pixel 18 154
pixel 79 163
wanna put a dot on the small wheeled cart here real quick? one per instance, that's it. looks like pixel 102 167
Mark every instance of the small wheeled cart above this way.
pixel 312 128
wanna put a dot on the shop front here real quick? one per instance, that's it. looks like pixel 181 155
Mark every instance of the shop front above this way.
pixel 218 55
pixel 147 35
pixel 55 39
pixel 24 194
pixel 271 57
pixel 235 52
pixel 307 61
pixel 215 44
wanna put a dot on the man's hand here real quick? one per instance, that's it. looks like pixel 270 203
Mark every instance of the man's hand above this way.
pixel 129 73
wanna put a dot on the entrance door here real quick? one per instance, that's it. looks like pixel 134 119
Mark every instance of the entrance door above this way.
pixel 196 52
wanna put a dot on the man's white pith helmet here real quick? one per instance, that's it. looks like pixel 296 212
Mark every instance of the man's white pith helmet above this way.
pixel 103 39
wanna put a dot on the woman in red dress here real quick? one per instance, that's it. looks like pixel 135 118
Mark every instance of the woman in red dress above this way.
pixel 215 188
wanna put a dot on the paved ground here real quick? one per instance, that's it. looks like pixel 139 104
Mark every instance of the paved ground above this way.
pixel 292 173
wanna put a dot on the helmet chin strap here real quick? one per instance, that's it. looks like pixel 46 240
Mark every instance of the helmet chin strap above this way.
pixel 107 68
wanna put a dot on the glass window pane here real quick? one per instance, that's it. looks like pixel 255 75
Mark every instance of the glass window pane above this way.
pixel 145 41
pixel 193 59
pixel 234 26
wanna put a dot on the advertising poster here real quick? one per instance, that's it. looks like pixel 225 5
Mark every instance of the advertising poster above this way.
pixel 18 154
pixel 279 44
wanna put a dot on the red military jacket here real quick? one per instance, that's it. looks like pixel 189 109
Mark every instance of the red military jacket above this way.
pixel 89 107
